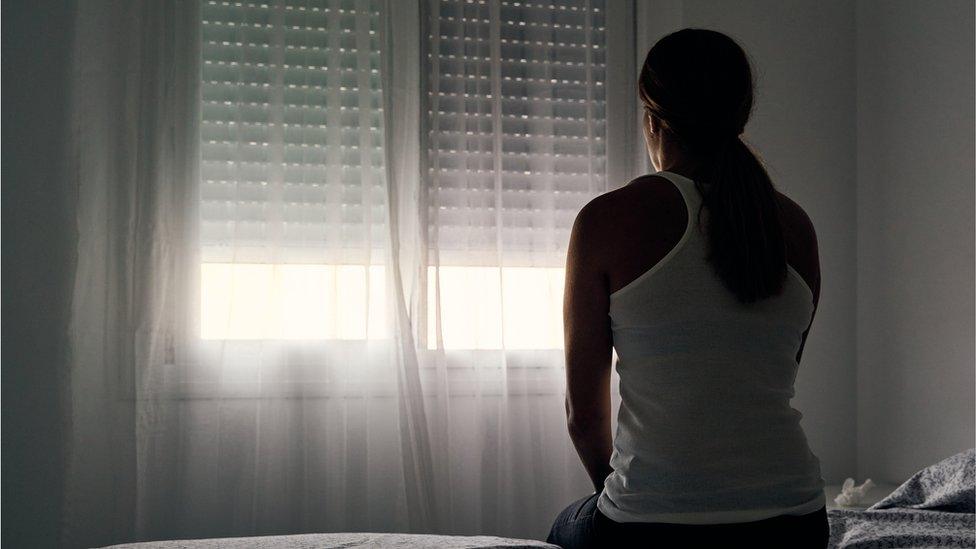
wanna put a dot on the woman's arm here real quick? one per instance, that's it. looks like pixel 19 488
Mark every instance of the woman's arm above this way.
pixel 589 347
pixel 803 253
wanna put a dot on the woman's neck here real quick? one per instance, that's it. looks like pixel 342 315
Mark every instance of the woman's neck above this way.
pixel 682 165
pixel 675 160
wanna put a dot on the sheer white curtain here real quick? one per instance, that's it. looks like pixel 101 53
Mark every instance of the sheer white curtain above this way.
pixel 515 143
pixel 133 149
pixel 319 272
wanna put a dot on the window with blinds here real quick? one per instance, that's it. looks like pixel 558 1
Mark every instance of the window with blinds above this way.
pixel 517 126
pixel 516 145
pixel 292 198
pixel 292 212
pixel 291 132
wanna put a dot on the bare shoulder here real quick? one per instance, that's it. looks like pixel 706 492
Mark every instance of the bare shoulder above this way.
pixel 611 211
pixel 799 226
pixel 614 224
pixel 642 189
pixel 801 241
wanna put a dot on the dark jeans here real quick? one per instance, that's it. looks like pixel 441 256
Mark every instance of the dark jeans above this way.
pixel 583 525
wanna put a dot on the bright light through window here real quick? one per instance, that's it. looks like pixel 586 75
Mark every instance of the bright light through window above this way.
pixel 480 307
pixel 292 301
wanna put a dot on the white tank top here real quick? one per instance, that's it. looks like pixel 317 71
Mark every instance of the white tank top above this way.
pixel 705 432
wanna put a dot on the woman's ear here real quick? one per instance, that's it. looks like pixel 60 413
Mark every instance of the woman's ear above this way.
pixel 651 126
pixel 654 125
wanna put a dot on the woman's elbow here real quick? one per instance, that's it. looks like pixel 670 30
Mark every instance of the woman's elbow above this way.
pixel 584 425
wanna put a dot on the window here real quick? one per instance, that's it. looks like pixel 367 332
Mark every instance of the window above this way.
pixel 292 195
pixel 516 146
pixel 517 126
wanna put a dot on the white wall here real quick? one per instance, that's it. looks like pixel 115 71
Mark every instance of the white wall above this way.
pixel 804 128
pixel 915 234
pixel 38 255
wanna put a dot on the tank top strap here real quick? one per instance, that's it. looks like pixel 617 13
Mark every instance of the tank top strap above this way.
pixel 689 191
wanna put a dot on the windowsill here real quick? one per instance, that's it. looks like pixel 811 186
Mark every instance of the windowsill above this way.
pixel 354 369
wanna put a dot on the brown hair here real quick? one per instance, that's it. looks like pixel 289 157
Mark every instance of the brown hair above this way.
pixel 698 85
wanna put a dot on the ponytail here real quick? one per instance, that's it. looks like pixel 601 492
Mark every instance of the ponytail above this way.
pixel 747 248
pixel 697 84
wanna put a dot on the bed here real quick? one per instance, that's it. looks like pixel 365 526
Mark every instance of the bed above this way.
pixel 324 541
pixel 934 508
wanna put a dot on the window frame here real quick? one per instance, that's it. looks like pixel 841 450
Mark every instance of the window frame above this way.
pixel 622 126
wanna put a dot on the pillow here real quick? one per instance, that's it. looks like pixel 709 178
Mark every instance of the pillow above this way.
pixel 949 485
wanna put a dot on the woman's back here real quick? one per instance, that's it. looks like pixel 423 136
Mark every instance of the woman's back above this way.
pixel 649 218
pixel 708 314
pixel 705 430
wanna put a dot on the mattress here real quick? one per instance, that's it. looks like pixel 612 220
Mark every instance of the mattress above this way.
pixel 936 507
pixel 323 541
pixel 851 529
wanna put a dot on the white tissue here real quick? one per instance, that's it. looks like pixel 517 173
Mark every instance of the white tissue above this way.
pixel 852 495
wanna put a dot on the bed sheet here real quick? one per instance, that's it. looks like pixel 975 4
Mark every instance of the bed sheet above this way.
pixel 903 528
pixel 359 540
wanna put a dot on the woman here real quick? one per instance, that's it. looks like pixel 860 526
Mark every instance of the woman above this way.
pixel 705 279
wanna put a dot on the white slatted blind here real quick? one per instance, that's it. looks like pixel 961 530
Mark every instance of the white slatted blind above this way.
pixel 291 132
pixel 517 126
pixel 513 144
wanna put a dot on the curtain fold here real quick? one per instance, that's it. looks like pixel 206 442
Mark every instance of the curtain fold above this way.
pixel 400 58
pixel 133 144
pixel 320 262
